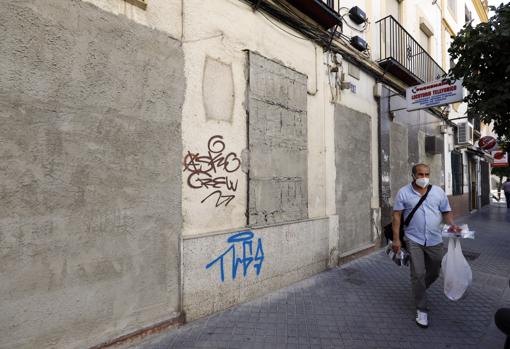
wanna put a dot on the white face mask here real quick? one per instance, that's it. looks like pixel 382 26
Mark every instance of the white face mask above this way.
pixel 422 182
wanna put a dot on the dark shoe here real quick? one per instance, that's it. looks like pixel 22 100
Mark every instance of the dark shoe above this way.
pixel 502 320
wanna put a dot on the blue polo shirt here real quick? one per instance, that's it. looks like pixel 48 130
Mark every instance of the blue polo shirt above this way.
pixel 425 227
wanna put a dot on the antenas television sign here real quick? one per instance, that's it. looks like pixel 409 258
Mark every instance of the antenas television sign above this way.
pixel 433 94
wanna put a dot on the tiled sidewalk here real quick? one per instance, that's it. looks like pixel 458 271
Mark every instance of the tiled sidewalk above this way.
pixel 367 304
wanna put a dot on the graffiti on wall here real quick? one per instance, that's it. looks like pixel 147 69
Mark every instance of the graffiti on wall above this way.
pixel 211 171
pixel 240 253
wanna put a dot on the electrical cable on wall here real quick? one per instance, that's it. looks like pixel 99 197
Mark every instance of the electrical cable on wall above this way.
pixel 288 16
pixel 277 26
pixel 331 38
pixel 362 30
pixel 300 26
pixel 356 16
pixel 333 71
pixel 336 83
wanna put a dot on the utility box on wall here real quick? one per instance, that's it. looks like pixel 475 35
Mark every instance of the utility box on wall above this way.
pixel 433 145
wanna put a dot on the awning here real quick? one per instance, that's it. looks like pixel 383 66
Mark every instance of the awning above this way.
pixel 477 151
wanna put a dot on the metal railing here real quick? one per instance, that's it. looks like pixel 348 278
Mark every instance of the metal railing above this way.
pixel 397 44
pixel 333 4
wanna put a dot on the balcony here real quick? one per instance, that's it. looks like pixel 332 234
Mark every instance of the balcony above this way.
pixel 403 57
pixel 321 11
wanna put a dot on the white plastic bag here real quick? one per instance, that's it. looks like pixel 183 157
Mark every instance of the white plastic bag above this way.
pixel 456 270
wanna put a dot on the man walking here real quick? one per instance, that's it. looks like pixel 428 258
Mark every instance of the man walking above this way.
pixel 423 234
pixel 506 189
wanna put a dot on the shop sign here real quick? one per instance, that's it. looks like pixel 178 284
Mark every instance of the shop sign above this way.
pixel 487 143
pixel 500 158
pixel 433 94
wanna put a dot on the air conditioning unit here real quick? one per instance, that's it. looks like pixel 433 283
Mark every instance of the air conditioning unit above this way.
pixel 465 133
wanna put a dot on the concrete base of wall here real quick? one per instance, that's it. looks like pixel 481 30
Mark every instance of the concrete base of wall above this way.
pixel 134 337
pixel 291 252
pixel 360 252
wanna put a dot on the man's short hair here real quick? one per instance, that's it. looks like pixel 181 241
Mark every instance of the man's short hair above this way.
pixel 418 165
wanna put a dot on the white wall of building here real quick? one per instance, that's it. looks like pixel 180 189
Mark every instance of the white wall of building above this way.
pixel 240 29
pixel 162 15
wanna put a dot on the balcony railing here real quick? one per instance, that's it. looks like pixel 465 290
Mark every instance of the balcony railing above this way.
pixel 402 56
pixel 333 4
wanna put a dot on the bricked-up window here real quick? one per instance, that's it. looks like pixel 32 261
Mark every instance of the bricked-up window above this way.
pixel 457 174
pixel 138 3
pixel 277 143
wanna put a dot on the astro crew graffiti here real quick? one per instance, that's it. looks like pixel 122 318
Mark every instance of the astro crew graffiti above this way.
pixel 240 252
pixel 213 171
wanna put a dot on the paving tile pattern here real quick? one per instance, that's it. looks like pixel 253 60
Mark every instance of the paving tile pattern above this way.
pixel 367 304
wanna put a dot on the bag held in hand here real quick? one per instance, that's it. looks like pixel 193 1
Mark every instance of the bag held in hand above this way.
pixel 456 270
pixel 388 230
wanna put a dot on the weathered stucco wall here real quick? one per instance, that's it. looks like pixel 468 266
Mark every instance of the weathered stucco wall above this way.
pixel 224 40
pixel 220 270
pixel 360 97
pixel 90 176
pixel 435 161
pixel 385 196
pixel 353 178
pixel 400 171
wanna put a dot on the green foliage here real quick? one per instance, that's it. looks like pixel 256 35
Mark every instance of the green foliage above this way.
pixel 504 142
pixel 501 171
pixel 483 62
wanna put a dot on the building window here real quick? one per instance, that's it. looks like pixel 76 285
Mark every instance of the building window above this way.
pixel 426 32
pixel 457 174
pixel 424 40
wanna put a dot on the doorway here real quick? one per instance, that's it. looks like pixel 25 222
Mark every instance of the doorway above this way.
pixel 473 180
